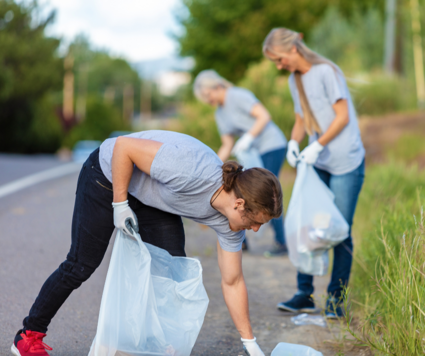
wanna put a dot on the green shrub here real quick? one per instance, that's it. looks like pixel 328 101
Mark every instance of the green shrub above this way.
pixel 101 119
pixel 380 94
pixel 348 42
pixel 45 132
pixel 197 119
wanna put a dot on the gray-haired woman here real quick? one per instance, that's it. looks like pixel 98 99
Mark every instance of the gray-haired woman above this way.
pixel 240 114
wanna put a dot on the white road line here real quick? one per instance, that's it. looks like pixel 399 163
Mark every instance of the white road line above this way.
pixel 39 177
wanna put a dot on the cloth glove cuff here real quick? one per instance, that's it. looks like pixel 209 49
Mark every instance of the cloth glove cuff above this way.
pixel 293 142
pixel 120 203
pixel 249 340
pixel 317 146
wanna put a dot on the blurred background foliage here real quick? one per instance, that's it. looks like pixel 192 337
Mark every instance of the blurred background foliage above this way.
pixel 32 80
pixel 349 33
pixel 29 70
pixel 227 34
pixel 224 35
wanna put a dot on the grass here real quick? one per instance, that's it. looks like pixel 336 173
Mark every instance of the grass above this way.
pixel 408 147
pixel 387 290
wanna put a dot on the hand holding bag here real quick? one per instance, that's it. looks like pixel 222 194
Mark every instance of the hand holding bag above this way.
pixel 152 303
pixel 313 223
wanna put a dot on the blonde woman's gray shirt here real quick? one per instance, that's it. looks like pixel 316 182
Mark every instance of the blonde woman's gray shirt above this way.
pixel 234 118
pixel 185 174
pixel 323 88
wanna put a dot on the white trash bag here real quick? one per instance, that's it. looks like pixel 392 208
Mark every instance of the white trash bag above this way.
pixel 313 224
pixel 152 303
pixel 285 349
pixel 250 158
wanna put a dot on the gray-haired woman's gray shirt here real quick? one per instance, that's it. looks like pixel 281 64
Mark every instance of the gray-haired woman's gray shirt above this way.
pixel 234 118
pixel 323 88
pixel 184 175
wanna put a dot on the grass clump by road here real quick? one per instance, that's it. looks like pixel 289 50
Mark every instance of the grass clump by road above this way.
pixel 388 285
pixel 407 148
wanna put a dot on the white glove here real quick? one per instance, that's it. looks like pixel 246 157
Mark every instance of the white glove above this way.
pixel 251 347
pixel 292 153
pixel 310 154
pixel 243 143
pixel 124 218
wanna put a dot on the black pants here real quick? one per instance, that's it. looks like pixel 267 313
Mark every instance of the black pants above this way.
pixel 92 227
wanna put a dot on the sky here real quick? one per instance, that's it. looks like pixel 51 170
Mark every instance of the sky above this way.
pixel 135 29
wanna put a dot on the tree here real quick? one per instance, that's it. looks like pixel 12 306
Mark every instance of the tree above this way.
pixel 227 34
pixel 29 69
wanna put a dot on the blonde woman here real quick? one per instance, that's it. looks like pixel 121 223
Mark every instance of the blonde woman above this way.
pixel 324 110
pixel 240 114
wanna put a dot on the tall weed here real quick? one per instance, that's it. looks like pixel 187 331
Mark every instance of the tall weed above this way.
pixel 387 288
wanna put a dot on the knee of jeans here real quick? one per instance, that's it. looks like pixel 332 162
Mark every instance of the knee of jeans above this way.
pixel 75 273
pixel 348 242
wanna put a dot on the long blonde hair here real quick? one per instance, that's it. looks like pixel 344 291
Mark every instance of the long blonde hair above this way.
pixel 283 39
pixel 208 79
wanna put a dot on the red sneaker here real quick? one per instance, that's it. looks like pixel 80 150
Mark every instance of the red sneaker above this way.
pixel 29 343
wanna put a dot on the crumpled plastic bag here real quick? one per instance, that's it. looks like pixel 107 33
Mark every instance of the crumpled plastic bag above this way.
pixel 152 303
pixel 250 158
pixel 313 223
pixel 307 319
pixel 285 349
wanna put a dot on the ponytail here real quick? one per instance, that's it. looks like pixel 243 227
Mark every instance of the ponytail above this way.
pixel 259 188
pixel 310 123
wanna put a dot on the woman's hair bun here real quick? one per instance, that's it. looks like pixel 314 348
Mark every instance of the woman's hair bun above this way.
pixel 231 170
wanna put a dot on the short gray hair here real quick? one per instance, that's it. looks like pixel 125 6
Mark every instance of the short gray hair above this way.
pixel 208 79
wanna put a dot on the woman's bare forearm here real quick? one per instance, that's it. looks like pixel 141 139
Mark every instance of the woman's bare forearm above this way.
pixel 341 120
pixel 298 131
pixel 227 142
pixel 234 290
pixel 262 118
pixel 236 298
pixel 129 151
pixel 224 153
pixel 122 169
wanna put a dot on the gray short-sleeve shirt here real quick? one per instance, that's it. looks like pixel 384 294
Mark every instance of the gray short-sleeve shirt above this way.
pixel 185 173
pixel 234 118
pixel 323 88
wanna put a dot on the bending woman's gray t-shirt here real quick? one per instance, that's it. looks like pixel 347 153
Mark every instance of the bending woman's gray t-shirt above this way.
pixel 234 118
pixel 323 89
pixel 185 174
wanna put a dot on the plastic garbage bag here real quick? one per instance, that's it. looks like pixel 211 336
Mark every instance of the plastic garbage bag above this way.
pixel 250 158
pixel 285 349
pixel 307 319
pixel 312 262
pixel 313 223
pixel 152 303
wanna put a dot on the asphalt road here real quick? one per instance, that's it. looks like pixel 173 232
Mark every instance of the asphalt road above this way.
pixel 14 166
pixel 35 235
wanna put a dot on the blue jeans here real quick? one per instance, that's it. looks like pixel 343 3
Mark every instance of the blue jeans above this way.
pixel 346 188
pixel 92 227
pixel 273 161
